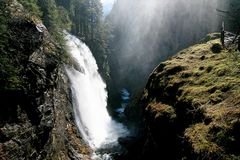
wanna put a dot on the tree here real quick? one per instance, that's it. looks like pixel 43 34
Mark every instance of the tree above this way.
pixel 31 6
pixel 84 18
pixel 88 24
pixel 231 15
pixel 3 25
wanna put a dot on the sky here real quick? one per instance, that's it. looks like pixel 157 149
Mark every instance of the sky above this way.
pixel 107 6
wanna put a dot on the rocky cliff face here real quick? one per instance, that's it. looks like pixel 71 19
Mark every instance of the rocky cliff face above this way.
pixel 36 119
pixel 192 105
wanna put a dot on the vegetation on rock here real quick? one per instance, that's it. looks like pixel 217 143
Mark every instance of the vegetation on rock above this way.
pixel 84 18
pixel 197 93
pixel 191 102
pixel 36 118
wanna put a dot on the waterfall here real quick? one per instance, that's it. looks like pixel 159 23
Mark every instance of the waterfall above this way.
pixel 89 97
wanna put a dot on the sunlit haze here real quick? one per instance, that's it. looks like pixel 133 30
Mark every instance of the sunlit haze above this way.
pixel 107 6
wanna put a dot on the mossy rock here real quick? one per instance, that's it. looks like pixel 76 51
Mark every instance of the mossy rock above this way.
pixel 211 36
pixel 162 111
pixel 204 106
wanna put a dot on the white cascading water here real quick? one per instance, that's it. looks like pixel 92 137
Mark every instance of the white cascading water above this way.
pixel 89 98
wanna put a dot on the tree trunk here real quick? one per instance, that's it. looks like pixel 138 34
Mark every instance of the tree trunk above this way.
pixel 222 35
pixel 239 43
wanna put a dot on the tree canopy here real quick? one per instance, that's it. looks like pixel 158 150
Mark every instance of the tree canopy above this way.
pixel 83 18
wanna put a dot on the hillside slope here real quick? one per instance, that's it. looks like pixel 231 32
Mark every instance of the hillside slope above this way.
pixel 192 105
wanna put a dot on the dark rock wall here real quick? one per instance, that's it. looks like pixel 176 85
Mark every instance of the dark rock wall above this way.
pixel 36 117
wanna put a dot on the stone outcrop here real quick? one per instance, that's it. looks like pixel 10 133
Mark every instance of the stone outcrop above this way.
pixel 36 115
pixel 192 105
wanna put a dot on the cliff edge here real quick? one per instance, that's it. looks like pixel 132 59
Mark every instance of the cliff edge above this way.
pixel 192 105
pixel 36 115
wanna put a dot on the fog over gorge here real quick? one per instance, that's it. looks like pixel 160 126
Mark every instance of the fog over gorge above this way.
pixel 120 79
pixel 149 31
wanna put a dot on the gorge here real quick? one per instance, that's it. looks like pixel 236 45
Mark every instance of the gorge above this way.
pixel 77 83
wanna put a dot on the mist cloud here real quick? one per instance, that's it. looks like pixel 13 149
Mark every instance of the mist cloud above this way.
pixel 146 32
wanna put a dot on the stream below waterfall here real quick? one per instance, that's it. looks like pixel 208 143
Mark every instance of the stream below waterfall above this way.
pixel 89 98
pixel 125 97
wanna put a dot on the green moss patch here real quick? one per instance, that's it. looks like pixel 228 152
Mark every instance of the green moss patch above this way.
pixel 199 79
pixel 162 111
